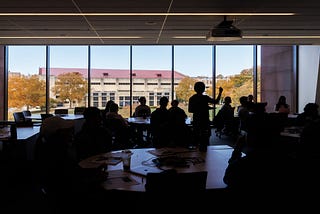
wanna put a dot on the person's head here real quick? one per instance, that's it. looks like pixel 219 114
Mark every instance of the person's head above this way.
pixel 114 107
pixel 243 100
pixel 174 103
pixel 164 101
pixel 142 100
pixel 107 108
pixel 282 99
pixel 250 98
pixel 199 87
pixel 227 100
pixel 311 109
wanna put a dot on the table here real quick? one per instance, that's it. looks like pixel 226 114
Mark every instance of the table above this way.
pixel 215 162
pixel 23 146
pixel 77 118
pixel 146 121
pixel 64 116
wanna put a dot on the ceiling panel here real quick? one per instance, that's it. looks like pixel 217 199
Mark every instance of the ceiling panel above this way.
pixel 155 29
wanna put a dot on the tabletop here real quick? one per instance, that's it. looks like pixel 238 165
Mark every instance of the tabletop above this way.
pixel 64 116
pixel 214 161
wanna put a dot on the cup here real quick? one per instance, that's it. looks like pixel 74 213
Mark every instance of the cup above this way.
pixel 126 160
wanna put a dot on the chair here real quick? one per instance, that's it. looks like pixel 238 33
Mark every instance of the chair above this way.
pixel 79 110
pixel 20 120
pixel 28 113
pixel 61 111
pixel 54 156
pixel 45 116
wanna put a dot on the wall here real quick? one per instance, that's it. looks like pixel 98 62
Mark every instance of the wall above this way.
pixel 277 76
pixel 308 75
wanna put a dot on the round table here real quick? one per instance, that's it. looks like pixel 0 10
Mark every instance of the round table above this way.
pixel 214 161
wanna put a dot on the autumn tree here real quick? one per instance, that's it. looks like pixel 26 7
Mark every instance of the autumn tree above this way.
pixel 26 91
pixel 70 87
pixel 185 89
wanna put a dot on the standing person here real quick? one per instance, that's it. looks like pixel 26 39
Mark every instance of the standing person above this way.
pixel 199 106
pixel 142 110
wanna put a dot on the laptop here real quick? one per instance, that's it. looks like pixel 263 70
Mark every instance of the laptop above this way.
pixel 144 170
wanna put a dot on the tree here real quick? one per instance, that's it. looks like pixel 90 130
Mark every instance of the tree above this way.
pixel 185 89
pixel 70 87
pixel 26 91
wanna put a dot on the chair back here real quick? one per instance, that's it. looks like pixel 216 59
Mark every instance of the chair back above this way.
pixel 61 111
pixel 79 110
pixel 45 116
pixel 26 113
pixel 20 120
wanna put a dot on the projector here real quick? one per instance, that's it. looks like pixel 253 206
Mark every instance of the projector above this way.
pixel 224 31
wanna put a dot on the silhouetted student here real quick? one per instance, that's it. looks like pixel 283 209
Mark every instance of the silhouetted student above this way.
pixel 119 127
pixel 159 122
pixel 106 110
pixel 180 132
pixel 93 137
pixel 224 120
pixel 282 106
pixel 199 106
pixel 309 114
pixel 265 168
pixel 250 103
pixel 142 110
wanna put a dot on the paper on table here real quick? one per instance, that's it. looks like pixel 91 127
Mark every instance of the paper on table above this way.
pixel 117 179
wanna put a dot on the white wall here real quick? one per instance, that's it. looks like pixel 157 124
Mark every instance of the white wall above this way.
pixel 308 75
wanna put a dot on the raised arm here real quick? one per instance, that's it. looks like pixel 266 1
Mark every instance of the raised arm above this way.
pixel 219 95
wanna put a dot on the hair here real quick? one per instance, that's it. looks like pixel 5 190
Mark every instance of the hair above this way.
pixel 107 108
pixel 164 101
pixel 174 102
pixel 114 107
pixel 199 87
pixel 141 99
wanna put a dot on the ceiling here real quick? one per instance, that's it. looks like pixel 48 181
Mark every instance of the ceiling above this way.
pixel 84 28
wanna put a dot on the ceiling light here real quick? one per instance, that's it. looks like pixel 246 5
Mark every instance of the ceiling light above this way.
pixel 148 14
pixel 70 37
pixel 223 32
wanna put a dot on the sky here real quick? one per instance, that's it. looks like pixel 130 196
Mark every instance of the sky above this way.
pixel 189 60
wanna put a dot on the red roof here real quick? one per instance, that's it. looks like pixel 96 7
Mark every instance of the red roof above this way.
pixel 115 73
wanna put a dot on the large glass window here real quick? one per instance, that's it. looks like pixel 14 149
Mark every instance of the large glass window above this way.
pixel 191 64
pixel 234 71
pixel 68 77
pixel 151 72
pixel 110 67
pixel 26 86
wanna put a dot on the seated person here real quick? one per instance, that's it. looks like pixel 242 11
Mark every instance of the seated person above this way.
pixel 142 110
pixel 159 123
pixel 119 128
pixel 309 114
pixel 181 133
pixel 93 137
pixel 243 113
pixel 282 106
pixel 224 120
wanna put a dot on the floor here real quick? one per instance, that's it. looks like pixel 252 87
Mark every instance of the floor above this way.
pixel 223 140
